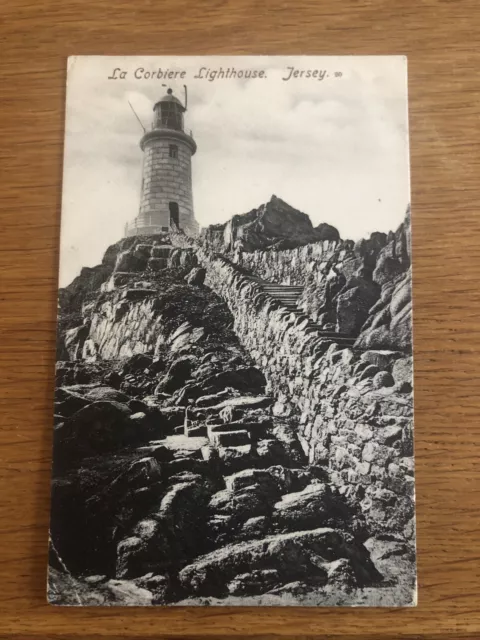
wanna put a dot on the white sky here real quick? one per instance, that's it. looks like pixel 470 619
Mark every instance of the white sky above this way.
pixel 336 149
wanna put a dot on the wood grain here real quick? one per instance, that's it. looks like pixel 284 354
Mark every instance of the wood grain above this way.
pixel 441 41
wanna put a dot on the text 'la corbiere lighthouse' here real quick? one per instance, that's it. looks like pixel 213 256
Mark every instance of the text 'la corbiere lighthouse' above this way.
pixel 166 196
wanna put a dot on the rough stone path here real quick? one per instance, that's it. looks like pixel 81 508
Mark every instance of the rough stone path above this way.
pixel 288 295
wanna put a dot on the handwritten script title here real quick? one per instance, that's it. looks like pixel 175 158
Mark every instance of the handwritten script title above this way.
pixel 220 73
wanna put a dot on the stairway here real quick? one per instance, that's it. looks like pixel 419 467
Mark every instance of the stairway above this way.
pixel 288 295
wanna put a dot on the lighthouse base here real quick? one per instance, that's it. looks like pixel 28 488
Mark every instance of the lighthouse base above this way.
pixel 149 228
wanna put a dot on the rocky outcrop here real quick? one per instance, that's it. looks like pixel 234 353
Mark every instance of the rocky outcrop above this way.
pixel 274 225
pixel 347 287
pixel 213 442
pixel 389 321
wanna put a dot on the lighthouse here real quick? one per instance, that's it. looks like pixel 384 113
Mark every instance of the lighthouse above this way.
pixel 166 193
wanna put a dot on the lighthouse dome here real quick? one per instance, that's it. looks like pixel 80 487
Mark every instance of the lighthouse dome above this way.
pixel 169 98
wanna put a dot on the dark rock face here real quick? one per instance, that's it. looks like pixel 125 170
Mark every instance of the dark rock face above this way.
pixel 389 324
pixel 196 276
pixel 96 428
pixel 179 372
pixel 325 231
pixel 353 305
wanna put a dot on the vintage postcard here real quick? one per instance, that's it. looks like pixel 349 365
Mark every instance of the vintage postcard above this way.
pixel 234 380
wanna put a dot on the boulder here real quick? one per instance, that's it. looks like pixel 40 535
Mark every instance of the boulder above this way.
pixel 233 459
pixel 140 474
pixel 266 480
pixel 369 372
pixel 271 451
pixel 387 269
pixel 305 509
pixel 394 556
pixel 182 512
pixel 382 379
pixel 179 372
pixel 353 306
pixel 221 529
pixel 250 502
pixel 136 363
pixel 158 585
pixel 254 583
pixel 294 555
pixel 404 387
pixel 340 573
pixel 68 402
pixel 244 379
pixel 107 393
pixel 141 554
pixel 402 370
pixel 196 276
pixel 137 406
pixel 113 380
pixel 286 478
pixel 285 434
pixel 325 231
pixel 256 527
pixel 142 251
pixel 98 428
pixel 186 339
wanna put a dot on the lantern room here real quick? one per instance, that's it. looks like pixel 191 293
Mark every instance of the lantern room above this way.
pixel 168 113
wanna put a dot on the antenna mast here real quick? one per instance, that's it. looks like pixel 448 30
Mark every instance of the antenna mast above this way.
pixel 135 114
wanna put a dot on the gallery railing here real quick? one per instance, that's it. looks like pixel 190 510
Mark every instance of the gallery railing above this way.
pixel 146 222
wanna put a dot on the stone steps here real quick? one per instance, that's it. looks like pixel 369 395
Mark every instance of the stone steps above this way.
pixel 283 287
pixel 288 295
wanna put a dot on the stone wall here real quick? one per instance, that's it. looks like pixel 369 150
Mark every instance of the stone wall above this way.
pixel 354 407
pixel 294 266
pixel 127 322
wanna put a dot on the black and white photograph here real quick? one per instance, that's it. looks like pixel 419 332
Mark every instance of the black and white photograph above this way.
pixel 233 416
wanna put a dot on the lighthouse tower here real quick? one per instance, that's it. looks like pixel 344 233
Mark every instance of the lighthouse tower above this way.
pixel 167 173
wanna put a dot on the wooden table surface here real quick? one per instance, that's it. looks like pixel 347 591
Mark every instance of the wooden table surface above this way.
pixel 440 38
